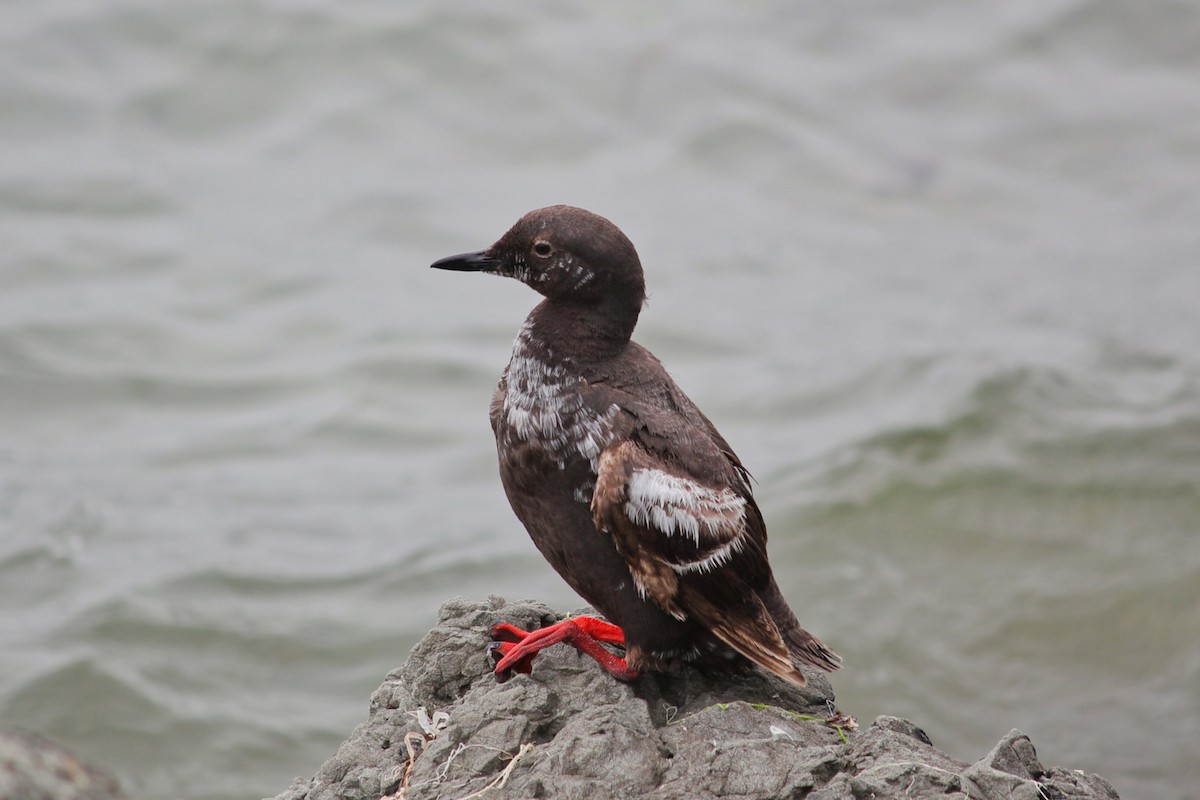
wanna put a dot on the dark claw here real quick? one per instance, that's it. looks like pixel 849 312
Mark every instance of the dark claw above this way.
pixel 498 650
pixel 505 637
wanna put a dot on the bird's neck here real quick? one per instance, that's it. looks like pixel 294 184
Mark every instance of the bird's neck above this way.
pixel 582 332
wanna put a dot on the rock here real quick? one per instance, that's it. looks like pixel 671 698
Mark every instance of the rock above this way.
pixel 34 768
pixel 442 727
pixel 1012 770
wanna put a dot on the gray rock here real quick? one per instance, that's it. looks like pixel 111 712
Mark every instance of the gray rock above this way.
pixel 34 768
pixel 1012 769
pixel 442 727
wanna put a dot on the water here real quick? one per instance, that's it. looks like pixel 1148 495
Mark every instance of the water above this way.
pixel 932 272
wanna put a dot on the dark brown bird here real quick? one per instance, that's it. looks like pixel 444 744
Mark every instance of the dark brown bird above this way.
pixel 624 485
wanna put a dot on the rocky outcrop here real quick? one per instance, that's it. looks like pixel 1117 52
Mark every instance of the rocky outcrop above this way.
pixel 442 727
pixel 34 768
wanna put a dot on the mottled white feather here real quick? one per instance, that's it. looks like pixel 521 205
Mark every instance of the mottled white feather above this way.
pixel 678 505
pixel 543 405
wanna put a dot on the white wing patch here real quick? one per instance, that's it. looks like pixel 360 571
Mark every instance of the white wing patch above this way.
pixel 713 560
pixel 714 519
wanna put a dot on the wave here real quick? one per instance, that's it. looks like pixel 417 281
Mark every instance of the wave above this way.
pixel 1032 426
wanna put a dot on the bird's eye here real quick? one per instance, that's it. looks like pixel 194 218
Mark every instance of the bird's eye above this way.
pixel 542 249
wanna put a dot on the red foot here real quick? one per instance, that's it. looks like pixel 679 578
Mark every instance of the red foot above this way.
pixel 514 649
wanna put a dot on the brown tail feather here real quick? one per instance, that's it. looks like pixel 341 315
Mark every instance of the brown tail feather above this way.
pixel 754 634
pixel 804 647
pixel 810 650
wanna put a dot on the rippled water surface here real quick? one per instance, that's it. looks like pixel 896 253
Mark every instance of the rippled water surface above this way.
pixel 933 272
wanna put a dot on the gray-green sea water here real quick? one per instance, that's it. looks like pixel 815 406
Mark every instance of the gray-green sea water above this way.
pixel 931 267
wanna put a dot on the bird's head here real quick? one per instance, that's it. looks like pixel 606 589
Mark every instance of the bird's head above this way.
pixel 567 254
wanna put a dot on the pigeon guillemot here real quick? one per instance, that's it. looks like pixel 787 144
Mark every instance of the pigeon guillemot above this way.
pixel 624 485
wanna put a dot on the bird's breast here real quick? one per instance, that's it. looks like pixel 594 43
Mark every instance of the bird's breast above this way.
pixel 544 422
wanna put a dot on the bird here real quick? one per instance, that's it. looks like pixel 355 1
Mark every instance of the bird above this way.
pixel 624 485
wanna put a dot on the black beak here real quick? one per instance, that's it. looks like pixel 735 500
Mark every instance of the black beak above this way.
pixel 468 262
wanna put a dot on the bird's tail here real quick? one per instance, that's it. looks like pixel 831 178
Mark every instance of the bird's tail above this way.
pixel 810 650
pixel 803 646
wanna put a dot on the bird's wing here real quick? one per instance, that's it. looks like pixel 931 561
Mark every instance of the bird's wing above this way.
pixel 695 546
